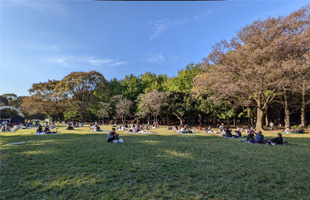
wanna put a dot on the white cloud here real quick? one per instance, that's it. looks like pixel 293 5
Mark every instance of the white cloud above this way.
pixel 119 63
pixel 98 62
pixel 156 59
pixel 75 61
pixel 46 6
pixel 106 62
pixel 163 25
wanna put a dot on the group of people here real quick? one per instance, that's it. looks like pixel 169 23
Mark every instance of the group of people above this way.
pixel 5 128
pixel 183 129
pixel 46 130
pixel 259 139
pixel 299 130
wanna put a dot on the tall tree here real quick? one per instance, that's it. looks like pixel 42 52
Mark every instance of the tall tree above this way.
pixel 43 100
pixel 81 88
pixel 254 65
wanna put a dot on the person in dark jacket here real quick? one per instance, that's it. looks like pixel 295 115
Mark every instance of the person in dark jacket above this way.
pixel 112 136
pixel 250 136
pixel 39 130
pixel 228 132
pixel 259 138
pixel 278 139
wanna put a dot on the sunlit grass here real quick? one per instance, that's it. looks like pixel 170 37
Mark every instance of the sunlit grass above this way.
pixel 80 164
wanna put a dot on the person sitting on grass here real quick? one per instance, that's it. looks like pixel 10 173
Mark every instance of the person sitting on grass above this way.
pixel 276 141
pixel 228 133
pixel 2 128
pixel 250 137
pixel 287 130
pixel 238 133
pixel 259 138
pixel 69 127
pixel 39 130
pixel 97 128
pixel 47 130
pixel 112 136
pixel 301 130
pixel 209 130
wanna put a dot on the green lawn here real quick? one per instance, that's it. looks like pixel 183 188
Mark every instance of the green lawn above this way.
pixel 82 165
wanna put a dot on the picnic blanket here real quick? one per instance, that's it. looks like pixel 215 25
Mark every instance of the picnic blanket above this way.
pixel 99 131
pixel 140 132
pixel 43 133
pixel 186 133
pixel 17 143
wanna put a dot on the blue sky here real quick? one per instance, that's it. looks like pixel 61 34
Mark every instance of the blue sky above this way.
pixel 41 40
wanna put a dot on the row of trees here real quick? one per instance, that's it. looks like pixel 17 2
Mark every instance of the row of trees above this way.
pixel 83 95
pixel 261 74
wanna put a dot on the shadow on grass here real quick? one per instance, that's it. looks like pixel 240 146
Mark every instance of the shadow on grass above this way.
pixel 85 166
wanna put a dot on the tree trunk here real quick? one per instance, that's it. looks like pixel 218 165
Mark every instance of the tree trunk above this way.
pixel 266 117
pixel 286 111
pixel 214 120
pixel 303 104
pixel 259 120
pixel 235 119
pixel 82 116
pixel 228 122
pixel 200 118
pixel 249 114
pixel 259 116
pixel 168 120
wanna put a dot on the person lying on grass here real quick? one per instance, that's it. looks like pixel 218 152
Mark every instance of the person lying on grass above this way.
pixel 259 138
pixel 112 136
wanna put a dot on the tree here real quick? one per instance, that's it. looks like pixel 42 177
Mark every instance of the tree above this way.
pixel 115 87
pixel 184 81
pixel 132 87
pixel 43 100
pixel 10 97
pixel 81 88
pixel 3 101
pixel 150 82
pixel 104 111
pixel 122 107
pixel 181 105
pixel 254 65
pixel 151 103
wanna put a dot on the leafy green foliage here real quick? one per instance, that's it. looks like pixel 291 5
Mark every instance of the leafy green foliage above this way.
pixel 184 81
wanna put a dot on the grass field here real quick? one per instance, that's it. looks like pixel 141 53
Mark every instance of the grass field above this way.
pixel 165 165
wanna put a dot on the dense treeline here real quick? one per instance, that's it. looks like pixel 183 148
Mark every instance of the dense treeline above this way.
pixel 260 75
